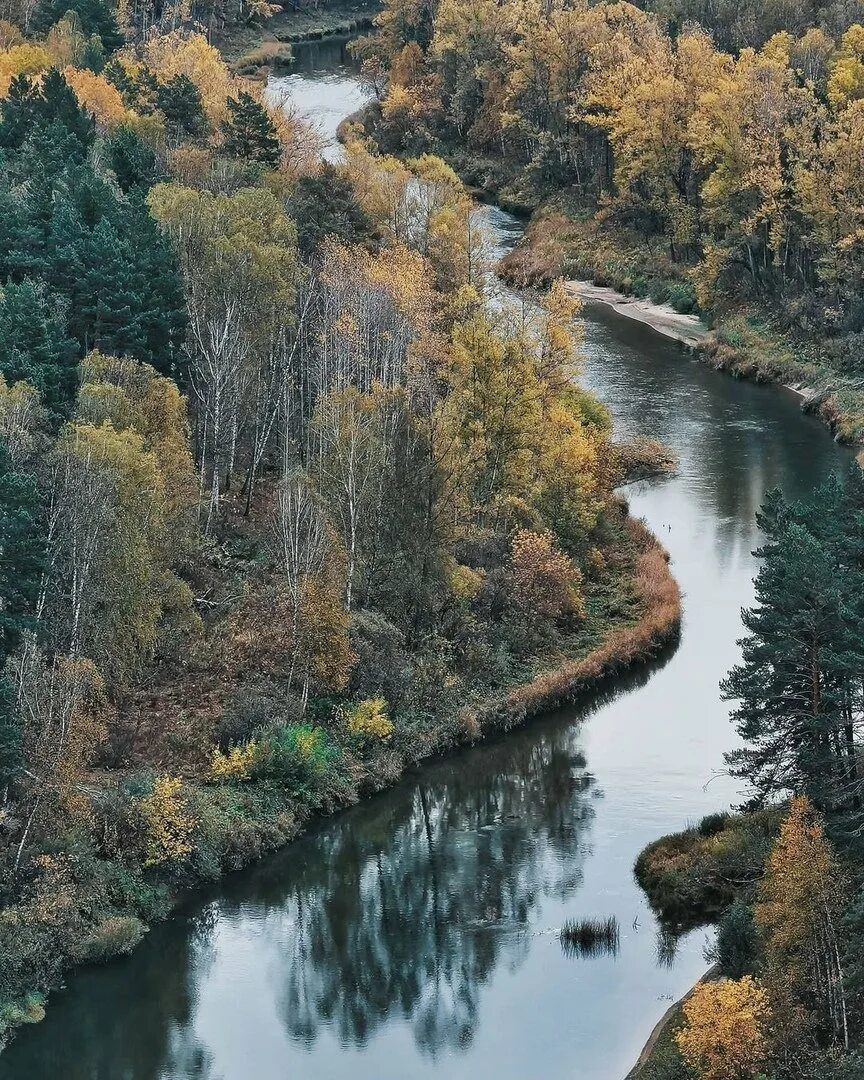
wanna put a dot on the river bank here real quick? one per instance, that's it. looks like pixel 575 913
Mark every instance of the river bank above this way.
pixel 690 330
pixel 257 49
pixel 658 1048
pixel 637 280
pixel 624 643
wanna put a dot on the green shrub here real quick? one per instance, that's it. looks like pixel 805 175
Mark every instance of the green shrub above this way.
pixel 691 877
pixel 682 297
pixel 734 948
pixel 298 758
pixel 115 936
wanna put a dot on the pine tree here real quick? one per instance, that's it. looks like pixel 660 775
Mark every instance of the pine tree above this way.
pixel 180 102
pixel 249 132
pixel 324 206
pixel 132 161
pixel 27 106
pixel 59 103
pixel 799 685
pixel 19 111
pixel 34 345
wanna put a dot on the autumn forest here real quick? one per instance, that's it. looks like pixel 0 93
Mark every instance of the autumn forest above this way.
pixel 296 494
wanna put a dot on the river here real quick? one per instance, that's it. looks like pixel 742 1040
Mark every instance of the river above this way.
pixel 415 935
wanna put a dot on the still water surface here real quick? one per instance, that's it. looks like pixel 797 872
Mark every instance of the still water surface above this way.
pixel 415 935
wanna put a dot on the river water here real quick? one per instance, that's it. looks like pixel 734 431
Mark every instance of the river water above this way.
pixel 415 935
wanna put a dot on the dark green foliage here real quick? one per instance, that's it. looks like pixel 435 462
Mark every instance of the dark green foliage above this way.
pixel 22 549
pixel 324 206
pixel 10 737
pixel 138 92
pixel 734 949
pixel 99 256
pixel 799 686
pixel 34 344
pixel 132 161
pixel 180 102
pixel 27 106
pixel 249 131
pixel 96 17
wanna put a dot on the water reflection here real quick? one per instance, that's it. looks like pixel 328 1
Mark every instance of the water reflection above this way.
pixel 417 935
pixel 404 907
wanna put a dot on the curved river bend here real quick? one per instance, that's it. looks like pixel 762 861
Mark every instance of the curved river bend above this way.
pixel 414 936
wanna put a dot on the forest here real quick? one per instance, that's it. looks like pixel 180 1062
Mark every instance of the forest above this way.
pixel 288 501
pixel 706 155
pixel 709 156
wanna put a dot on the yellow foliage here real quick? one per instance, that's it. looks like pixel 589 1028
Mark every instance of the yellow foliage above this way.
pixel 545 582
pixel 369 718
pixel 97 96
pixel 237 764
pixel 181 54
pixel 466 583
pixel 168 824
pixel 23 59
pixel 846 81
pixel 723 1037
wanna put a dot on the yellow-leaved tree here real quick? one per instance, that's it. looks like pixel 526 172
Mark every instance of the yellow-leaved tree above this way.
pixel 801 899
pixel 724 1032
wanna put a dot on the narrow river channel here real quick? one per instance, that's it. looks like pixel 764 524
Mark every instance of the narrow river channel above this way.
pixel 415 935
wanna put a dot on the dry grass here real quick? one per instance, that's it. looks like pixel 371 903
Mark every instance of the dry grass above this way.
pixel 659 599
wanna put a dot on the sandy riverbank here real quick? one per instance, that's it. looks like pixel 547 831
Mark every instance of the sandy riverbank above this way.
pixel 688 329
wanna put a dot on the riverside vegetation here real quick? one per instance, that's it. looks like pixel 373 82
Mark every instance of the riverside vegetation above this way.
pixel 784 880
pixel 701 154
pixel 284 504
pixel 709 156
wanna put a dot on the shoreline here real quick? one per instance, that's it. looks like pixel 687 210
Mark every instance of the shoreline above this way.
pixel 690 330
pixel 659 1029
pixel 622 647
pixel 253 50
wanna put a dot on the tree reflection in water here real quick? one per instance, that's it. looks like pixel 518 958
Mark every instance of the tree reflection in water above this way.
pixel 407 910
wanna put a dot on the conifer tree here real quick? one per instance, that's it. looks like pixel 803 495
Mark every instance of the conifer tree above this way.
pixel 799 685
pixel 179 99
pixel 249 132
pixel 21 561
pixel 34 344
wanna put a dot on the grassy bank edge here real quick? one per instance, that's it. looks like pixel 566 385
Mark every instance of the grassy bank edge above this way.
pixel 624 646
pixel 659 1042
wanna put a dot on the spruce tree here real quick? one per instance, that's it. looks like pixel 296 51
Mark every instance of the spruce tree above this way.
pixel 249 132
pixel 34 344
pixel 22 550
pixel 179 99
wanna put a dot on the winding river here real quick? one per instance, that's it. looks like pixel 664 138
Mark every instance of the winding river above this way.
pixel 415 935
